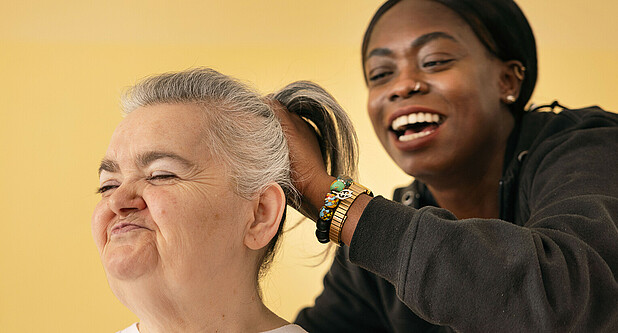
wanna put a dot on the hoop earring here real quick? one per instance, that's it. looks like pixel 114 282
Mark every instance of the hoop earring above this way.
pixel 519 72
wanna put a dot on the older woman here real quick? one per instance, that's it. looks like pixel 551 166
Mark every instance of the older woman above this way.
pixel 193 188
pixel 511 222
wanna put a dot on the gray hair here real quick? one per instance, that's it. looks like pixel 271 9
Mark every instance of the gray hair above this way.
pixel 245 132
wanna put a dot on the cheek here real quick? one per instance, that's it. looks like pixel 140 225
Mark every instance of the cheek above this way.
pixel 193 220
pixel 375 108
pixel 166 211
pixel 461 95
pixel 373 105
pixel 101 218
pixel 181 214
pixel 485 89
pixel 162 204
pixel 223 222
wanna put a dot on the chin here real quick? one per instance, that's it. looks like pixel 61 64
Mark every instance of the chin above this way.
pixel 421 163
pixel 128 262
pixel 416 170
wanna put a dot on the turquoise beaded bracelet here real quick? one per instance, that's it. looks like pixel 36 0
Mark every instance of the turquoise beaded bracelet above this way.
pixel 338 191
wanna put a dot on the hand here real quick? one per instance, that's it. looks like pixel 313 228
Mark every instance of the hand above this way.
pixel 308 170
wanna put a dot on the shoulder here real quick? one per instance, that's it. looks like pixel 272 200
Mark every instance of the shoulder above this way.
pixel 130 329
pixel 574 144
pixel 550 129
pixel 568 119
pixel 589 113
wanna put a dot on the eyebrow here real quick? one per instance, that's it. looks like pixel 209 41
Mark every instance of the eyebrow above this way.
pixel 148 158
pixel 144 160
pixel 420 41
pixel 108 165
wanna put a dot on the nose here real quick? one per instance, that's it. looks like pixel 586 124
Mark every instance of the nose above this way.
pixel 405 85
pixel 126 199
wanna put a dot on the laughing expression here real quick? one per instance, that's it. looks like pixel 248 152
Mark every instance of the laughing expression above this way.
pixel 434 92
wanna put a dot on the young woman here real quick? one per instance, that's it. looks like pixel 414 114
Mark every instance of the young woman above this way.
pixel 194 187
pixel 511 221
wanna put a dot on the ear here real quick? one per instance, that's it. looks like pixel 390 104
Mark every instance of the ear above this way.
pixel 511 79
pixel 267 212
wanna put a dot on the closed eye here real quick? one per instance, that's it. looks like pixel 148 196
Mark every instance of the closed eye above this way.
pixel 153 178
pixel 379 76
pixel 105 188
pixel 436 63
pixel 163 176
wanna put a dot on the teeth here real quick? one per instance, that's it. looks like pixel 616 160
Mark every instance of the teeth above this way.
pixel 399 122
pixel 421 117
pixel 413 118
pixel 413 136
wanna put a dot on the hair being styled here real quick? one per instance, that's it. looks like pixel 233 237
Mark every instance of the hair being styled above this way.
pixel 245 134
pixel 502 28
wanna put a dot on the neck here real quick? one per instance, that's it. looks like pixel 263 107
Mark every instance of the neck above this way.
pixel 470 192
pixel 470 189
pixel 479 200
pixel 209 307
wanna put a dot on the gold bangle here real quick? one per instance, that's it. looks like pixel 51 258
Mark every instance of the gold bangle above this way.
pixel 341 213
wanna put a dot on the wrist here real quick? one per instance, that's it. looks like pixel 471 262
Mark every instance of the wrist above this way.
pixel 354 214
pixel 339 206
pixel 317 190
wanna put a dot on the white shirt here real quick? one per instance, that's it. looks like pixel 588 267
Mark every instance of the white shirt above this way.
pixel 290 328
pixel 130 329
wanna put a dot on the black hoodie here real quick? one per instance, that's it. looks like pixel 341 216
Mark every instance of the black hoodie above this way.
pixel 549 264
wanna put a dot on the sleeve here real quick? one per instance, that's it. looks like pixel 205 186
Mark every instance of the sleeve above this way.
pixel 346 304
pixel 555 272
pixel 356 300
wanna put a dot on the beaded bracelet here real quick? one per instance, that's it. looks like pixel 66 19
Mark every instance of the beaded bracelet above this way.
pixel 338 191
pixel 341 212
pixel 343 193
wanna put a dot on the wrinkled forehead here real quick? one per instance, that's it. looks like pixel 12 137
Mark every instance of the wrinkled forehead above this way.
pixel 178 128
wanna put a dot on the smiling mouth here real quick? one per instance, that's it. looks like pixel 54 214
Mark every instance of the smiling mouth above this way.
pixel 416 125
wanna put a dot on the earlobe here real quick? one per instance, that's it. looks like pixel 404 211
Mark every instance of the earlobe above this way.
pixel 511 80
pixel 268 212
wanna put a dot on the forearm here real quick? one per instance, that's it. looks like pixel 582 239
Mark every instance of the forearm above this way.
pixel 486 274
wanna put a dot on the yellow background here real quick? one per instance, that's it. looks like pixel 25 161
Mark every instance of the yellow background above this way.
pixel 64 63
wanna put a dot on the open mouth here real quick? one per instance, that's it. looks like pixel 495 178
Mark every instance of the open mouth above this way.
pixel 416 125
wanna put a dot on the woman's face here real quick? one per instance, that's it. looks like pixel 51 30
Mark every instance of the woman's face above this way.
pixel 457 121
pixel 166 209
